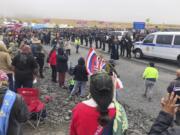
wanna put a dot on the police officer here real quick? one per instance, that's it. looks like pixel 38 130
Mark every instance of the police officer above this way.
pixel 104 42
pixel 100 40
pixel 115 49
pixel 81 38
pixel 86 40
pixel 109 43
pixel 123 45
pixel 96 40
pixel 90 40
pixel 77 43
pixel 129 46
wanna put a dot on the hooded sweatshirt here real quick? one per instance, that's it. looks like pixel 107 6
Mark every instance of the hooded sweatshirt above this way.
pixel 5 60
pixel 80 73
pixel 19 113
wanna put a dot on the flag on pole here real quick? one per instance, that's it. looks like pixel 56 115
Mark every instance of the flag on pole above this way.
pixel 119 84
pixel 94 63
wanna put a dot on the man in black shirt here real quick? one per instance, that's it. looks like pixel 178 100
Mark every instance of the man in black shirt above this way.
pixel 25 67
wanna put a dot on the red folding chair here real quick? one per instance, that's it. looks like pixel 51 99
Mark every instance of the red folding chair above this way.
pixel 34 104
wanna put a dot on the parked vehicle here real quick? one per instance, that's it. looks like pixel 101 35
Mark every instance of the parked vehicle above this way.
pixel 165 45
pixel 119 34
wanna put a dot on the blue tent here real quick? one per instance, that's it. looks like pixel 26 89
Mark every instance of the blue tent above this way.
pixel 39 26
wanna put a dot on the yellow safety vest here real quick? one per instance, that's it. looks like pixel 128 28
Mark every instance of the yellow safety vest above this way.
pixel 77 42
pixel 151 72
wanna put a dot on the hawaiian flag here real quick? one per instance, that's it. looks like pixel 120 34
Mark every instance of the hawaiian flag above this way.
pixel 119 84
pixel 94 63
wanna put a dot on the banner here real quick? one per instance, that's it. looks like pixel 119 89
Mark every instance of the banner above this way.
pixel 139 25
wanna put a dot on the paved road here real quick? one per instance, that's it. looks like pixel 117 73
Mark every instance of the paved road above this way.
pixel 131 75
pixel 130 72
pixel 166 65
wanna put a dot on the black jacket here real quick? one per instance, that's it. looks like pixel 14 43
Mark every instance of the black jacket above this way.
pixel 25 66
pixel 80 72
pixel 115 51
pixel 175 86
pixel 19 114
pixel 62 60
pixel 162 125
pixel 123 43
pixel 40 58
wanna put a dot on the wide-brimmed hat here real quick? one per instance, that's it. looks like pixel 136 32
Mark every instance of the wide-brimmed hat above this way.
pixel 1 37
pixel 11 44
pixel 36 41
pixel 3 47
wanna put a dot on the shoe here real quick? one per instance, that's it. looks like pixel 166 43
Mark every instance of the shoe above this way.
pixel 42 76
pixel 69 98
pixel 82 98
pixel 63 87
pixel 54 81
pixel 150 99
pixel 144 95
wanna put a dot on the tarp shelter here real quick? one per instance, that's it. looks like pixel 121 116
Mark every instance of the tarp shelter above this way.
pixel 51 26
pixel 39 26
pixel 63 25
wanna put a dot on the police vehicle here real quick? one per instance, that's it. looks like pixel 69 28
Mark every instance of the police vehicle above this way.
pixel 165 45
pixel 119 34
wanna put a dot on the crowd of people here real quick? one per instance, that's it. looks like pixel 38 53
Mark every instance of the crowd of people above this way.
pixel 22 59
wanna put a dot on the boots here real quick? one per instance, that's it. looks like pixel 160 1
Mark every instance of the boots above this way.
pixel 41 75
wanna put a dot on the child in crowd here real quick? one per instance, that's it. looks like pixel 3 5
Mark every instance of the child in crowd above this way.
pixel 71 83
pixel 99 115
pixel 80 77
pixel 52 58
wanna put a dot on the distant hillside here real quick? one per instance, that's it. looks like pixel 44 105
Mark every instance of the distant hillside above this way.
pixel 99 24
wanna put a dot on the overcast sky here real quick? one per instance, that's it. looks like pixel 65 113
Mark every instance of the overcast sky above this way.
pixel 159 11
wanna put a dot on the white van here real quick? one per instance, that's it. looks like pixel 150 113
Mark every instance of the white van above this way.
pixel 119 34
pixel 164 45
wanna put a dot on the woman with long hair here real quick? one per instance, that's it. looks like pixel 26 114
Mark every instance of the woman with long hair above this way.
pixel 99 115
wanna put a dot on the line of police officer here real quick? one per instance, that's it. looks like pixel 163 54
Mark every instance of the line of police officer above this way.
pixel 113 43
pixel 102 40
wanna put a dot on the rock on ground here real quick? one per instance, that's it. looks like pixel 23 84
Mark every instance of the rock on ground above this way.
pixel 59 110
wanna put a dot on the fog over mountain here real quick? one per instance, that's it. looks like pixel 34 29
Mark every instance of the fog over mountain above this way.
pixel 159 11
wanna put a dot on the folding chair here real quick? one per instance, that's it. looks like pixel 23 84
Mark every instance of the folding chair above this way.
pixel 34 104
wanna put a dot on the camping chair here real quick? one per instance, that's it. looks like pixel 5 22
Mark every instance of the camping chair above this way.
pixel 35 106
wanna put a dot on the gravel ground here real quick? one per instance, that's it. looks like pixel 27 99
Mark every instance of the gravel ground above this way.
pixel 141 113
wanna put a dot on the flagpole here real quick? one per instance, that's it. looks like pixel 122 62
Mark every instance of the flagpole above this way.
pixel 111 66
pixel 115 75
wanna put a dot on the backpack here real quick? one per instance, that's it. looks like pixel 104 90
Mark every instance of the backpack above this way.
pixel 5 111
pixel 119 124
